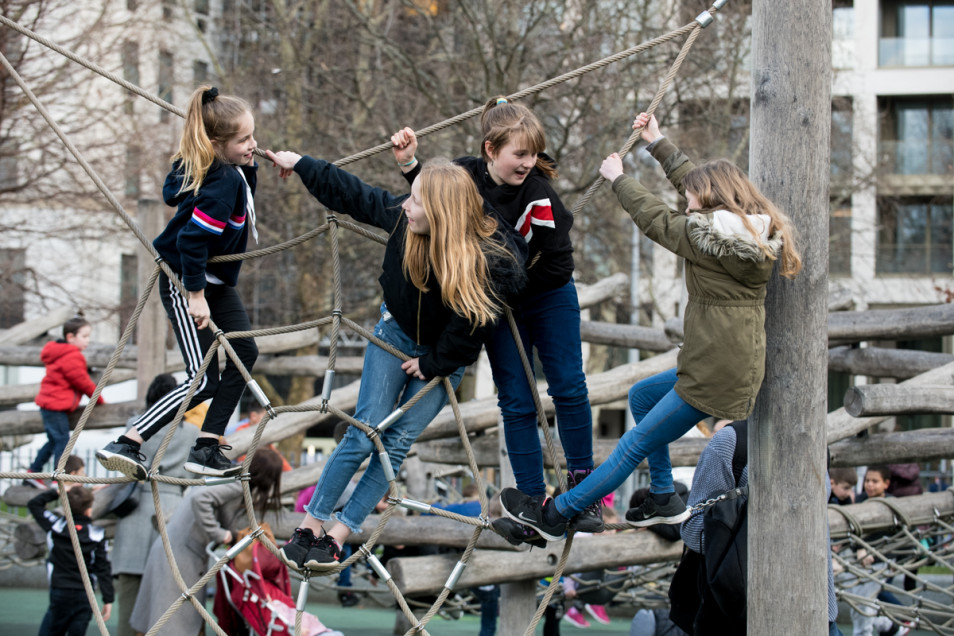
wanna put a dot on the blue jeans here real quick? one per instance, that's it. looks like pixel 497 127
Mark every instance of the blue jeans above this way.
pixel 383 384
pixel 57 427
pixel 69 613
pixel 550 323
pixel 661 417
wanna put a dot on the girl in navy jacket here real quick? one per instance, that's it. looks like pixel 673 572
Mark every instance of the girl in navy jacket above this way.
pixel 447 270
pixel 211 183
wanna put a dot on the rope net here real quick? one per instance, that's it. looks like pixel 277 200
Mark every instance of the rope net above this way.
pixel 644 586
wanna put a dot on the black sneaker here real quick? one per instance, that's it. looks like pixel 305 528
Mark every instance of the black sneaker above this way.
pixel 591 519
pixel 324 554
pixel 517 533
pixel 294 552
pixel 348 599
pixel 123 458
pixel 530 511
pixel 649 513
pixel 209 461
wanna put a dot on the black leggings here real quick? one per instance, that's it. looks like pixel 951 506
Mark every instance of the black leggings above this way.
pixel 228 314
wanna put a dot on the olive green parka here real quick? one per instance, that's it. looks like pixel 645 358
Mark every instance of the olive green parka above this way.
pixel 721 363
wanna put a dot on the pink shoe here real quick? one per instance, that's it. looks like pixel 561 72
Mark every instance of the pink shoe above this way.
pixel 598 612
pixel 576 618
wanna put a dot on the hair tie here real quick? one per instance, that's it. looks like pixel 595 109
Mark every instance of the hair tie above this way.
pixel 501 100
pixel 210 95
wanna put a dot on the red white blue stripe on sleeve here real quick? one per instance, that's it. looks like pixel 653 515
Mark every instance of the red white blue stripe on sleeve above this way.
pixel 536 213
pixel 237 222
pixel 206 222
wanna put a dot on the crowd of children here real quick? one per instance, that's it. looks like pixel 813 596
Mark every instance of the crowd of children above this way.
pixel 472 238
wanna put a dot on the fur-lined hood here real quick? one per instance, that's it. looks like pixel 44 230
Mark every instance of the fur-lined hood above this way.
pixel 723 235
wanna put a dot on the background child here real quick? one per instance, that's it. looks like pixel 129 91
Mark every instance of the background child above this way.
pixel 212 183
pixel 513 175
pixel 876 484
pixel 730 237
pixel 69 611
pixel 843 482
pixel 447 268
pixel 65 383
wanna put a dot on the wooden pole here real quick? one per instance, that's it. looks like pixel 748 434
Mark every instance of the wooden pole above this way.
pixel 152 327
pixel 789 162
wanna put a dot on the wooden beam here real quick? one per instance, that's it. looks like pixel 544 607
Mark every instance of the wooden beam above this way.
pixel 622 335
pixel 103 416
pixel 881 362
pixel 921 445
pixel 603 289
pixel 12 394
pixel 873 515
pixel 891 324
pixel 842 425
pixel 897 399
pixel 36 327
pixel 427 575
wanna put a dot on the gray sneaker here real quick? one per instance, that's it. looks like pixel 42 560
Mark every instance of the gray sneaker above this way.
pixel 123 458
pixel 209 461
pixel 649 513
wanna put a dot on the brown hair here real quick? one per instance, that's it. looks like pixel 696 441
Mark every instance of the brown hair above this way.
pixel 721 185
pixel 74 324
pixel 266 480
pixel 73 464
pixel 80 499
pixel 209 117
pixel 453 251
pixel 881 469
pixel 503 121
pixel 843 475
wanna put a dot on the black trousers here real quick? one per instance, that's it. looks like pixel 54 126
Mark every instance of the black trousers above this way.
pixel 228 313
pixel 69 613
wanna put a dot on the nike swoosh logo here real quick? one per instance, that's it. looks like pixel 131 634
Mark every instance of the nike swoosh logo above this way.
pixel 530 519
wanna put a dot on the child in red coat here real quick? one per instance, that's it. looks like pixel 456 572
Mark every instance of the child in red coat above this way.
pixel 65 383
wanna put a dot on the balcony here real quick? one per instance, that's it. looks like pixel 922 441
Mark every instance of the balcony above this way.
pixel 907 52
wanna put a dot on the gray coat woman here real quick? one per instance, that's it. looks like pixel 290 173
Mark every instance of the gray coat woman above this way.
pixel 211 514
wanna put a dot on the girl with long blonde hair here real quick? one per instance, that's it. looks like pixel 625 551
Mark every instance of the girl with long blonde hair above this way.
pixel 448 268
pixel 212 184
pixel 731 237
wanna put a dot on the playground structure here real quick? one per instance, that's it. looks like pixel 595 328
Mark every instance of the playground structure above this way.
pixel 419 576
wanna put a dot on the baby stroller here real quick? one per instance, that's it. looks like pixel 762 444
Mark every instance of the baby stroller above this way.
pixel 258 598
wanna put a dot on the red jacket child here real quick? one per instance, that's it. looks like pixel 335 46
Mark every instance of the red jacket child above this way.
pixel 67 377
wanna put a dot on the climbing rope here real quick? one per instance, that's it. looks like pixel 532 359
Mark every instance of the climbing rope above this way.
pixel 332 226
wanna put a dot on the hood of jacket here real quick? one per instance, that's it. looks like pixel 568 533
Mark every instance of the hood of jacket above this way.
pixel 53 351
pixel 723 235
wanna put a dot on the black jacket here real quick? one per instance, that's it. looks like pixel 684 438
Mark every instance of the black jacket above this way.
pixel 63 570
pixel 454 341
pixel 211 223
pixel 537 213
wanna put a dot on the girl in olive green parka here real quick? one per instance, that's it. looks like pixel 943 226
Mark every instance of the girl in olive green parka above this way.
pixel 730 236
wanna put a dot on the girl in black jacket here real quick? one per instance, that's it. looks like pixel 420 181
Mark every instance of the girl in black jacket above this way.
pixel 448 267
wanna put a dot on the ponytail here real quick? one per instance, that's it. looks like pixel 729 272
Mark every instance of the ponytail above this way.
pixel 209 117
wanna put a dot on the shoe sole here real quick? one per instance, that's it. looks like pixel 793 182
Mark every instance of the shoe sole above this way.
pixel 574 623
pixel 199 469
pixel 653 521
pixel 321 567
pixel 536 542
pixel 545 535
pixel 292 564
pixel 587 525
pixel 118 463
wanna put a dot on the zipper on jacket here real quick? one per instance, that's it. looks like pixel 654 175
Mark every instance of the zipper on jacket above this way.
pixel 420 294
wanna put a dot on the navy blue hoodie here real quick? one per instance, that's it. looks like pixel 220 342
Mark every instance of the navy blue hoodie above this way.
pixel 210 223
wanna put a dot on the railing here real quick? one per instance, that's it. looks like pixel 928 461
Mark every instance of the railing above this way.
pixel 906 52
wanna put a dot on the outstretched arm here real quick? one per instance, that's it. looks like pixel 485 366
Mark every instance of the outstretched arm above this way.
pixel 404 147
pixel 612 166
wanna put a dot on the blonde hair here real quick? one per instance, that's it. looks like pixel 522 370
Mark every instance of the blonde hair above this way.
pixel 502 122
pixel 452 252
pixel 721 185
pixel 208 118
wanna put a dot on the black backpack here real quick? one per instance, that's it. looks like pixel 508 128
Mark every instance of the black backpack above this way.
pixel 725 532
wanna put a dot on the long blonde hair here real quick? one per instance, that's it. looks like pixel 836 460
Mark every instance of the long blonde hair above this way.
pixel 502 122
pixel 452 253
pixel 721 185
pixel 209 117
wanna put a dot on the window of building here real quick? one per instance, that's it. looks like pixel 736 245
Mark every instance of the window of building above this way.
pixel 915 235
pixel 200 72
pixel 202 7
pixel 130 60
pixel 132 171
pixel 9 164
pixel 128 289
pixel 917 135
pixel 843 35
pixel 167 7
pixel 919 33
pixel 165 81
pixel 839 238
pixel 841 138
pixel 12 283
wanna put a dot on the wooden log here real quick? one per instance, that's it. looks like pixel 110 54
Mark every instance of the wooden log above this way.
pixel 426 575
pixel 921 445
pixel 35 327
pixel 873 515
pixel 896 399
pixel 103 416
pixel 891 324
pixel 882 362
pixel 682 452
pixel 307 365
pixel 601 290
pixel 842 425
pixel 622 335
pixel 19 393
